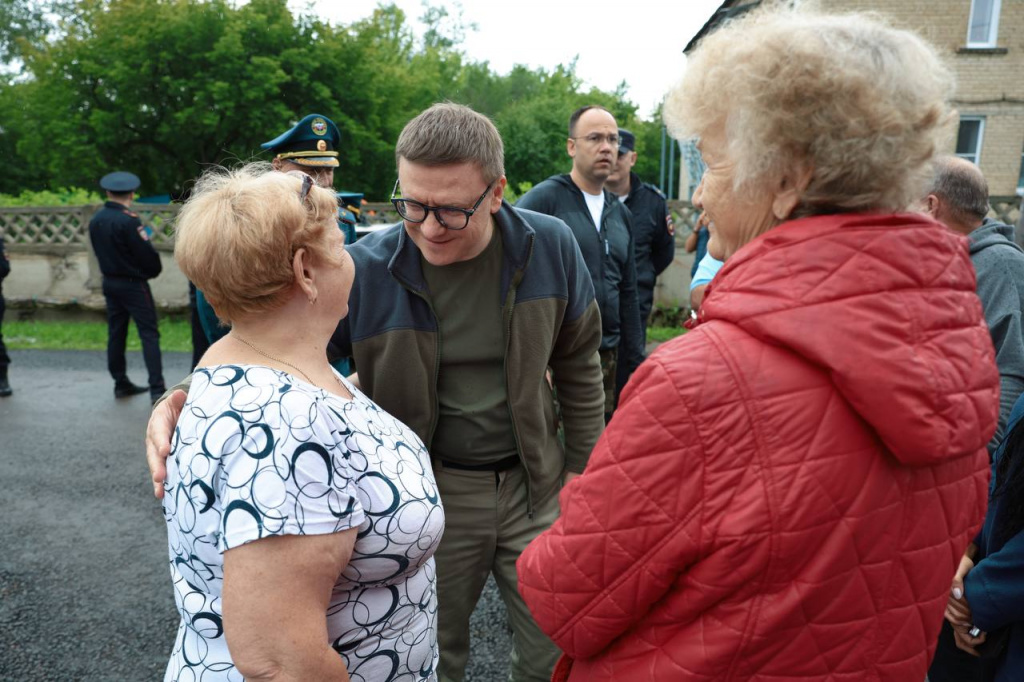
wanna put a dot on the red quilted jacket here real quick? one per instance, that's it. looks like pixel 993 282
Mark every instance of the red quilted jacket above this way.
pixel 785 492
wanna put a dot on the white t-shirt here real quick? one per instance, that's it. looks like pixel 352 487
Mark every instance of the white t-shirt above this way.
pixel 257 452
pixel 595 202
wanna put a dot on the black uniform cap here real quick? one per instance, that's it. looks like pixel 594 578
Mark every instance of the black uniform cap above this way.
pixel 627 141
pixel 120 182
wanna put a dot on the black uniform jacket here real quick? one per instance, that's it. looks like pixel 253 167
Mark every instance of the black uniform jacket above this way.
pixel 653 239
pixel 122 244
pixel 5 265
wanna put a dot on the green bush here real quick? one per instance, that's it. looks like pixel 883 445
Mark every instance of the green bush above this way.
pixel 662 334
pixel 668 316
pixel 69 196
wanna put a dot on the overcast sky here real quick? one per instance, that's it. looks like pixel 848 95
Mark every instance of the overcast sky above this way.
pixel 637 41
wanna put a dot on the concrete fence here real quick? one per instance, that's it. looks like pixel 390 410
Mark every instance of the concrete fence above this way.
pixel 54 271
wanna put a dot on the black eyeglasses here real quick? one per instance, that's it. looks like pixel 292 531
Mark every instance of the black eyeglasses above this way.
pixel 595 139
pixel 450 217
pixel 307 184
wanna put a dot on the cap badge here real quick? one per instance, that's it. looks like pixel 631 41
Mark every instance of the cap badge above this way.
pixel 319 126
pixel 321 146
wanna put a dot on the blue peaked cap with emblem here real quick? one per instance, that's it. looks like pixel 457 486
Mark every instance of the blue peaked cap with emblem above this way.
pixel 313 141
pixel 120 182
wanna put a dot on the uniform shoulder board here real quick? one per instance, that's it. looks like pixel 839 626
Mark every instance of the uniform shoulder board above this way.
pixel 346 215
pixel 655 188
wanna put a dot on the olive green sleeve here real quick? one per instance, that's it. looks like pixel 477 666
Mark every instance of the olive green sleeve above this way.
pixel 182 385
pixel 576 372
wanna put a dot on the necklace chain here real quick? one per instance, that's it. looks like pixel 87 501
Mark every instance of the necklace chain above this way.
pixel 271 357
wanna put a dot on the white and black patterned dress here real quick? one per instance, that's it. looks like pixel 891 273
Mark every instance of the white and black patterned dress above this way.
pixel 258 453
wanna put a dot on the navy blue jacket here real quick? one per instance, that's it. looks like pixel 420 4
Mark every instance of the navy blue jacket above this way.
pixel 995 586
pixel 654 243
pixel 5 265
pixel 610 259
pixel 122 244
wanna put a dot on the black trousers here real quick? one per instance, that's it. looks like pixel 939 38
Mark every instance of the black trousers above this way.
pixel 950 664
pixel 132 299
pixel 5 359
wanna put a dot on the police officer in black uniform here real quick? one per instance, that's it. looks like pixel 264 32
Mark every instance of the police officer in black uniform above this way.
pixel 127 260
pixel 654 243
pixel 5 360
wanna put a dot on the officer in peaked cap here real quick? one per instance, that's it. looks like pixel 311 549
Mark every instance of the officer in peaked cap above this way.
pixel 310 146
pixel 127 260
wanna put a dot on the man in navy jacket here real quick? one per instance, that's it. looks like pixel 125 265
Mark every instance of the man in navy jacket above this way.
pixel 603 229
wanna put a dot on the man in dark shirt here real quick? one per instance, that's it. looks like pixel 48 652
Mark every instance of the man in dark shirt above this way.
pixel 127 260
pixel 603 230
pixel 654 243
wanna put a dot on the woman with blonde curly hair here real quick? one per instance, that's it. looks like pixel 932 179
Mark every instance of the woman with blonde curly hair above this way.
pixel 302 519
pixel 784 492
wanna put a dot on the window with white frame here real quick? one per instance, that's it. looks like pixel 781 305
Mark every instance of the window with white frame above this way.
pixel 968 138
pixel 983 26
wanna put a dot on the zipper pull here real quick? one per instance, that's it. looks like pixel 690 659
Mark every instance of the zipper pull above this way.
pixel 607 250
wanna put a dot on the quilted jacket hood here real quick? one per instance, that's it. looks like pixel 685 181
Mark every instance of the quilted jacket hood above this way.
pixel 892 337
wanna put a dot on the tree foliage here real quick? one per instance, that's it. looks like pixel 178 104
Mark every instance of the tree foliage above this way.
pixel 166 88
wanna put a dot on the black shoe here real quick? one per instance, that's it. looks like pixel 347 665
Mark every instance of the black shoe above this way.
pixel 127 390
pixel 5 387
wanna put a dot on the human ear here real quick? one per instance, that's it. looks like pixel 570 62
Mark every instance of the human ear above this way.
pixel 498 193
pixel 303 273
pixel 790 189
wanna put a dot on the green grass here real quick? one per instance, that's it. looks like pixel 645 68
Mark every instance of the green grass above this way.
pixel 175 335
pixel 661 334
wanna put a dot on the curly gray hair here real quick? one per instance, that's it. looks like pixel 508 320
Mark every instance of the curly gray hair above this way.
pixel 863 104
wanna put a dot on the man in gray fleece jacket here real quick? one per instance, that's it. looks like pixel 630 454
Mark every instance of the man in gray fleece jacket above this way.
pixel 958 199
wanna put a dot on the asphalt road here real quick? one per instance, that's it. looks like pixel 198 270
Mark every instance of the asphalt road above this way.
pixel 85 591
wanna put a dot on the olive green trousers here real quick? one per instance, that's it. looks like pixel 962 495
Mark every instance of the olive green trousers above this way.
pixel 486 529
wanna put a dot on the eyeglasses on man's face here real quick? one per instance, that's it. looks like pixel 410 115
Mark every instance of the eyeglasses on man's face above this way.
pixel 450 217
pixel 595 139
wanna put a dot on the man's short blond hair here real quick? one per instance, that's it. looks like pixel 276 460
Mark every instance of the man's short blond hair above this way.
pixel 447 134
pixel 236 235
pixel 863 104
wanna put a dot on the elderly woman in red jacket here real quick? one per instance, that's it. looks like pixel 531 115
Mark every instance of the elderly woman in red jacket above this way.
pixel 785 492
